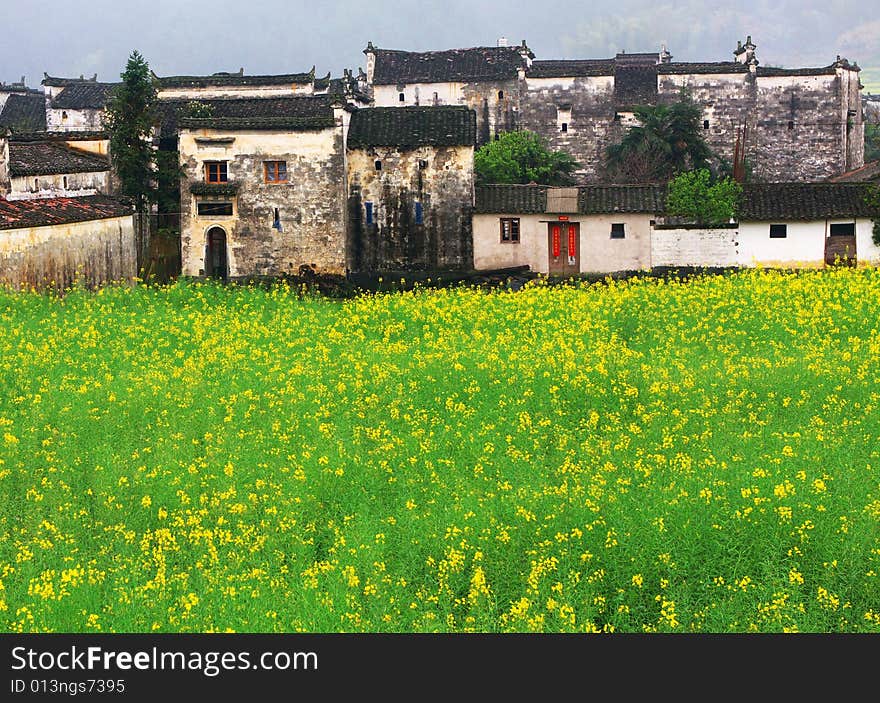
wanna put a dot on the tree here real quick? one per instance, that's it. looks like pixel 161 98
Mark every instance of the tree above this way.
pixel 129 119
pixel 667 141
pixel 523 157
pixel 696 196
pixel 872 142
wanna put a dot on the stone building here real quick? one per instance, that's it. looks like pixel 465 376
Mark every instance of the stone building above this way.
pixel 263 190
pixel 799 123
pixel 410 178
pixel 22 109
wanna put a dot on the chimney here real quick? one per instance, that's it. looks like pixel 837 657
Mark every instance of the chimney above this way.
pixel 4 162
pixel 502 41
pixel 370 52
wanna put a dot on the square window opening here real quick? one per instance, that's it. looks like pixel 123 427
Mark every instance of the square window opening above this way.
pixel 275 171
pixel 778 231
pixel 510 229
pixel 216 172
pixel 845 229
pixel 618 230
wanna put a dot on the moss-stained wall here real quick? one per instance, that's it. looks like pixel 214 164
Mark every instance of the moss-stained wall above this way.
pixel 443 185
pixel 90 253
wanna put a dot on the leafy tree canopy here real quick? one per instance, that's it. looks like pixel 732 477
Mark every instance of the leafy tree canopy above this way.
pixel 129 119
pixel 695 195
pixel 667 140
pixel 523 157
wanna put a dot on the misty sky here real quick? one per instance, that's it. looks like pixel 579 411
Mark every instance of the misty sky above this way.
pixel 288 36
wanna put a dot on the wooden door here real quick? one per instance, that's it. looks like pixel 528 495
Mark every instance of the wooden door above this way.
pixel 216 259
pixel 840 245
pixel 564 248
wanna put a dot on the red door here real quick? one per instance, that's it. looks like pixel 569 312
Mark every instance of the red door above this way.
pixel 564 247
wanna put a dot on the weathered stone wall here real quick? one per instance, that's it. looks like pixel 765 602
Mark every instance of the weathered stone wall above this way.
pixel 89 253
pixel 728 102
pixel 59 185
pixel 694 247
pixel 592 127
pixel 443 187
pixel 800 132
pixel 311 203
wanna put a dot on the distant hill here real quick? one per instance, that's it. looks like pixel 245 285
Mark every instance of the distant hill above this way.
pixel 871 80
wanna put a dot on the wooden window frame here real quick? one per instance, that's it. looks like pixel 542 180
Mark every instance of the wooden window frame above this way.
pixel 274 168
pixel 222 172
pixel 513 232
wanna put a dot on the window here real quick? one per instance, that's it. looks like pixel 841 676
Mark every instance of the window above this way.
pixel 501 95
pixel 778 231
pixel 617 117
pixel 63 115
pixel 843 230
pixel 36 184
pixel 618 230
pixel 64 181
pixel 214 209
pixel 215 172
pixel 276 219
pixel 509 229
pixel 420 218
pixel 423 164
pixel 378 165
pixel 368 210
pixel 705 124
pixel 791 124
pixel 275 171
pixel 401 98
pixel 565 126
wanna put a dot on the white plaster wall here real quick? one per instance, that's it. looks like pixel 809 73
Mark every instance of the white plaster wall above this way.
pixel 491 253
pixel 804 245
pixel 236 91
pixel 866 251
pixel 694 247
pixel 78 184
pixel 585 84
pixel 389 96
pixel 601 254
pixel 76 120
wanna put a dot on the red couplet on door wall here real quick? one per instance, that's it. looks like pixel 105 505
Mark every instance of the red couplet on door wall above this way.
pixel 557 243
pixel 572 240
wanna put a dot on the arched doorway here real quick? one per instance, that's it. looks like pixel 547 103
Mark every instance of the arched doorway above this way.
pixel 216 260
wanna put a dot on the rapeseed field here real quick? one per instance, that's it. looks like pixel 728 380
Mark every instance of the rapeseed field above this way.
pixel 640 456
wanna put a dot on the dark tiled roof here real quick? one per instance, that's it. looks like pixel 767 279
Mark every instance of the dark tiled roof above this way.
pixel 322 83
pixel 15 214
pixel 804 201
pixel 511 199
pixel 643 59
pixel 84 95
pixel 300 107
pixel 772 71
pixel 869 172
pixel 83 136
pixel 606 199
pixel 47 157
pixel 55 82
pixel 564 69
pixel 290 124
pixel 635 85
pixel 482 63
pixel 412 126
pixel 24 113
pixel 688 68
pixel 222 79
pixel 202 188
